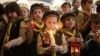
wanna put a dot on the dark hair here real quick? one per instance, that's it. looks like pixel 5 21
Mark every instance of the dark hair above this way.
pixel 65 3
pixel 13 7
pixel 48 13
pixel 1 9
pixel 84 1
pixel 35 6
pixel 73 1
pixel 95 18
pixel 64 16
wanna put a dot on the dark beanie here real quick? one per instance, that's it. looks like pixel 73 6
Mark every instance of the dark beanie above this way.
pixel 48 13
pixel 64 16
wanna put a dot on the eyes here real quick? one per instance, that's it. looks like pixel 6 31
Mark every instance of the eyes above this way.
pixel 52 22
pixel 37 12
pixel 69 19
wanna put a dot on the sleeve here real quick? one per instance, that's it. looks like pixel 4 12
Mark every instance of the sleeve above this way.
pixel 64 47
pixel 40 49
pixel 82 41
pixel 22 36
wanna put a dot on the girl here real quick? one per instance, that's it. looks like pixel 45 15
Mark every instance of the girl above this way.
pixel 66 7
pixel 45 45
pixel 36 25
pixel 70 31
pixel 25 13
pixel 14 34
pixel 83 19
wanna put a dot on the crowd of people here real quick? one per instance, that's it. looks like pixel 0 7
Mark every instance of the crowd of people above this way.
pixel 44 32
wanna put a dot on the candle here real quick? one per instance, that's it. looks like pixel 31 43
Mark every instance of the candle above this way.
pixel 75 48
pixel 52 37
pixel 31 24
pixel 52 41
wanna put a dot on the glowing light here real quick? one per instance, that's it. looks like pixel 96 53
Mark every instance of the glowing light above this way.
pixel 57 3
pixel 23 3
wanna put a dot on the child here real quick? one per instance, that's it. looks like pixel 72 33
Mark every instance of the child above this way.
pixel 66 7
pixel 14 34
pixel 45 47
pixel 76 4
pixel 36 25
pixel 70 31
pixel 25 13
pixel 83 18
pixel 92 44
pixel 93 25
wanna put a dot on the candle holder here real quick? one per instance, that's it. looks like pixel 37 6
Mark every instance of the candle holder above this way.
pixel 75 49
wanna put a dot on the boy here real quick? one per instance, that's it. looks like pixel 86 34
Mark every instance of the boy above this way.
pixel 92 43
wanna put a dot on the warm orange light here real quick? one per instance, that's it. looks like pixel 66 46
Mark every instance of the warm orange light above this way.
pixel 75 48
pixel 52 40
pixel 52 37
pixel 31 24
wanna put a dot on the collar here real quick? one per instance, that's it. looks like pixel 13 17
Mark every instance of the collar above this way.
pixel 91 33
pixel 88 13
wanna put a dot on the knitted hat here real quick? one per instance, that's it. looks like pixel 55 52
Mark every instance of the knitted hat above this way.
pixel 36 6
pixel 65 16
pixel 50 13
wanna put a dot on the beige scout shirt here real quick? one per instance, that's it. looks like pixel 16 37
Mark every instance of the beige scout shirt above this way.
pixel 42 50
pixel 22 36
pixel 18 41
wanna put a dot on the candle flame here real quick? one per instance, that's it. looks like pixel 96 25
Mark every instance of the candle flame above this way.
pixel 76 50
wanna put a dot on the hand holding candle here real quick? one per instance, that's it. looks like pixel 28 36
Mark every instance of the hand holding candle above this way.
pixel 97 36
pixel 53 46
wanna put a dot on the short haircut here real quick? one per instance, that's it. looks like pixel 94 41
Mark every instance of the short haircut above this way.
pixel 84 1
pixel 65 3
pixel 95 18
pixel 13 7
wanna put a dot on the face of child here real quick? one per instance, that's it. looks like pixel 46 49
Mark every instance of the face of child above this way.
pixel 12 15
pixel 77 3
pixel 66 8
pixel 51 22
pixel 25 12
pixel 37 14
pixel 88 4
pixel 69 22
pixel 95 27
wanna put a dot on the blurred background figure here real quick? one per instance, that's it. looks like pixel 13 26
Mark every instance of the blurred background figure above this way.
pixel 66 7
pixel 76 4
